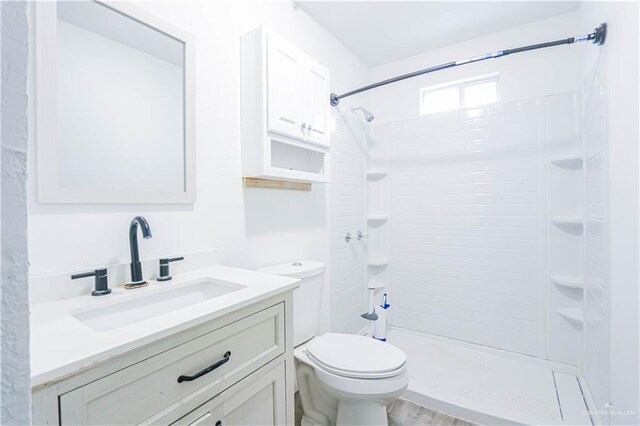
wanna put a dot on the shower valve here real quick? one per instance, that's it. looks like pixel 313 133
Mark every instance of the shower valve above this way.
pixel 360 235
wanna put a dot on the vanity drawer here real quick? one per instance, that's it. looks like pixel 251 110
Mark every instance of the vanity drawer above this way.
pixel 149 391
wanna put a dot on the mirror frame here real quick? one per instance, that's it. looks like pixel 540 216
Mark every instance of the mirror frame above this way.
pixel 48 189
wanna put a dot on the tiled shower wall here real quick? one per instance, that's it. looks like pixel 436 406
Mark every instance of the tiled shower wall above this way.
pixel 469 219
pixel 348 280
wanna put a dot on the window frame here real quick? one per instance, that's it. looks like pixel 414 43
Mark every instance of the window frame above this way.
pixel 461 85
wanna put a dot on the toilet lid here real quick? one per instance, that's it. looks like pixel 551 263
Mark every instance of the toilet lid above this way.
pixel 356 356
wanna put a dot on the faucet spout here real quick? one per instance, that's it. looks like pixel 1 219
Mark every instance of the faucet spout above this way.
pixel 136 267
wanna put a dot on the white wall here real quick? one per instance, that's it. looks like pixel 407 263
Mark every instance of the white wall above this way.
pixel 249 227
pixel 522 76
pixel 613 71
pixel 15 393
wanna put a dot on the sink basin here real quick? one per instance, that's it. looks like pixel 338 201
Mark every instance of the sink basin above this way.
pixel 132 311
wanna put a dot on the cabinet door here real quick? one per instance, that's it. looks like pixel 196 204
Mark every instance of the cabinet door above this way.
pixel 316 103
pixel 284 88
pixel 259 399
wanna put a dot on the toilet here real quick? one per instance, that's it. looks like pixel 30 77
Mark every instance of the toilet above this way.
pixel 343 379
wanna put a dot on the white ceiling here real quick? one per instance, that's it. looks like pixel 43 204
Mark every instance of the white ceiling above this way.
pixel 379 32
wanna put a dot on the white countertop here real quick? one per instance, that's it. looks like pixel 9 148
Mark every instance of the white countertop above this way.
pixel 62 345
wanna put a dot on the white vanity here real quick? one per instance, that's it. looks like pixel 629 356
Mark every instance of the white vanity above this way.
pixel 226 333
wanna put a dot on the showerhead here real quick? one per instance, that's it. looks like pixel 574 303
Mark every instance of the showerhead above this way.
pixel 367 115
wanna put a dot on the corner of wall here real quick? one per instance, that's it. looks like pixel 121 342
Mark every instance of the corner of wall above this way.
pixel 14 296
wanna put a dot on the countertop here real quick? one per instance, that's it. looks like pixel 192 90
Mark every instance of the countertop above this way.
pixel 62 345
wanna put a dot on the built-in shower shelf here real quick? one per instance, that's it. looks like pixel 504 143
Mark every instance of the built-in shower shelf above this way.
pixel 573 315
pixel 567 161
pixel 568 221
pixel 378 261
pixel 377 218
pixel 375 174
pixel 568 281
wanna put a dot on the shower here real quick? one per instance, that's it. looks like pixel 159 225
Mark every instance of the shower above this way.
pixel 367 115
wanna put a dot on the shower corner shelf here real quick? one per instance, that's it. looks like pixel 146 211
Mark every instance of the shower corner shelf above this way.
pixel 377 217
pixel 567 161
pixel 568 281
pixel 374 174
pixel 378 261
pixel 572 315
pixel 568 221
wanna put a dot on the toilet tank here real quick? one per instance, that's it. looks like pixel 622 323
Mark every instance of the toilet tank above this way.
pixel 307 298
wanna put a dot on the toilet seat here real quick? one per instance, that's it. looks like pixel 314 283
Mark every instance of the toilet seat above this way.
pixel 356 357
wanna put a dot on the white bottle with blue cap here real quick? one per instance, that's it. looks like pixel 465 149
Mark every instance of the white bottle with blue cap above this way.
pixel 380 326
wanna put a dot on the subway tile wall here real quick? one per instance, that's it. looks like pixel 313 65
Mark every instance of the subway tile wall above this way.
pixel 469 220
pixel 348 267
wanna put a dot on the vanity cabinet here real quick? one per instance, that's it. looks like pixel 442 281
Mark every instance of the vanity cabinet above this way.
pixel 171 382
pixel 285 110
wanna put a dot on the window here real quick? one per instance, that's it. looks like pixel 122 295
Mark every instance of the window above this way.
pixel 459 94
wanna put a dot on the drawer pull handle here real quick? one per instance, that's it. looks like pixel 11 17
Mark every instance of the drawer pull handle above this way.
pixel 207 370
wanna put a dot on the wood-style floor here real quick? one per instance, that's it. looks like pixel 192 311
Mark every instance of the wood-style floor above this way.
pixel 405 413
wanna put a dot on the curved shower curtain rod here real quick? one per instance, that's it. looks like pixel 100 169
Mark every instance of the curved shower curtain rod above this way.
pixel 597 36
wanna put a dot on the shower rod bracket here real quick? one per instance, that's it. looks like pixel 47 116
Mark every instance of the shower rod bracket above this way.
pixel 598 37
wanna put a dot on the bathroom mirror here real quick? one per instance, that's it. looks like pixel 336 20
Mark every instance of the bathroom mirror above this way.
pixel 114 105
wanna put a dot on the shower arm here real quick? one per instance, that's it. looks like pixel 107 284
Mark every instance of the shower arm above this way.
pixel 597 37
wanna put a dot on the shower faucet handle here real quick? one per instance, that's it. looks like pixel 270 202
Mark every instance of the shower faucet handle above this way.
pixel 348 237
pixel 360 235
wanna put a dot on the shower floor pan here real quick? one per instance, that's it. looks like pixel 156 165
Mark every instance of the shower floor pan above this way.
pixel 489 386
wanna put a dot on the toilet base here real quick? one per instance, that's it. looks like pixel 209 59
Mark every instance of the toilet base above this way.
pixel 365 413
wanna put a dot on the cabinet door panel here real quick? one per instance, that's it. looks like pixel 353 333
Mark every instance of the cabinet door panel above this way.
pixel 259 399
pixel 316 103
pixel 284 88
pixel 149 392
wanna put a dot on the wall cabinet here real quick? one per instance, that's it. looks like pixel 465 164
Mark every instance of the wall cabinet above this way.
pixel 253 386
pixel 285 111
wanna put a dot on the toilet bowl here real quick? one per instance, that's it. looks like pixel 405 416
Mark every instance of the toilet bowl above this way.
pixel 348 379
pixel 343 379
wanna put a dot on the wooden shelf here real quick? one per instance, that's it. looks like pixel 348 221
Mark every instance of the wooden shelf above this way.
pixel 568 281
pixel 378 261
pixel 376 174
pixel 573 162
pixel 573 315
pixel 249 182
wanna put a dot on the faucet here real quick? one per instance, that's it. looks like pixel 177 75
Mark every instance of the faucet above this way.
pixel 137 279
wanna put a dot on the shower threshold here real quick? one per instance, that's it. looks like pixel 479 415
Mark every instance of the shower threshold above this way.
pixel 488 386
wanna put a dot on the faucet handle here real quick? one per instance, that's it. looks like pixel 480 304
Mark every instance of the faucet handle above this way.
pixel 101 281
pixel 164 274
